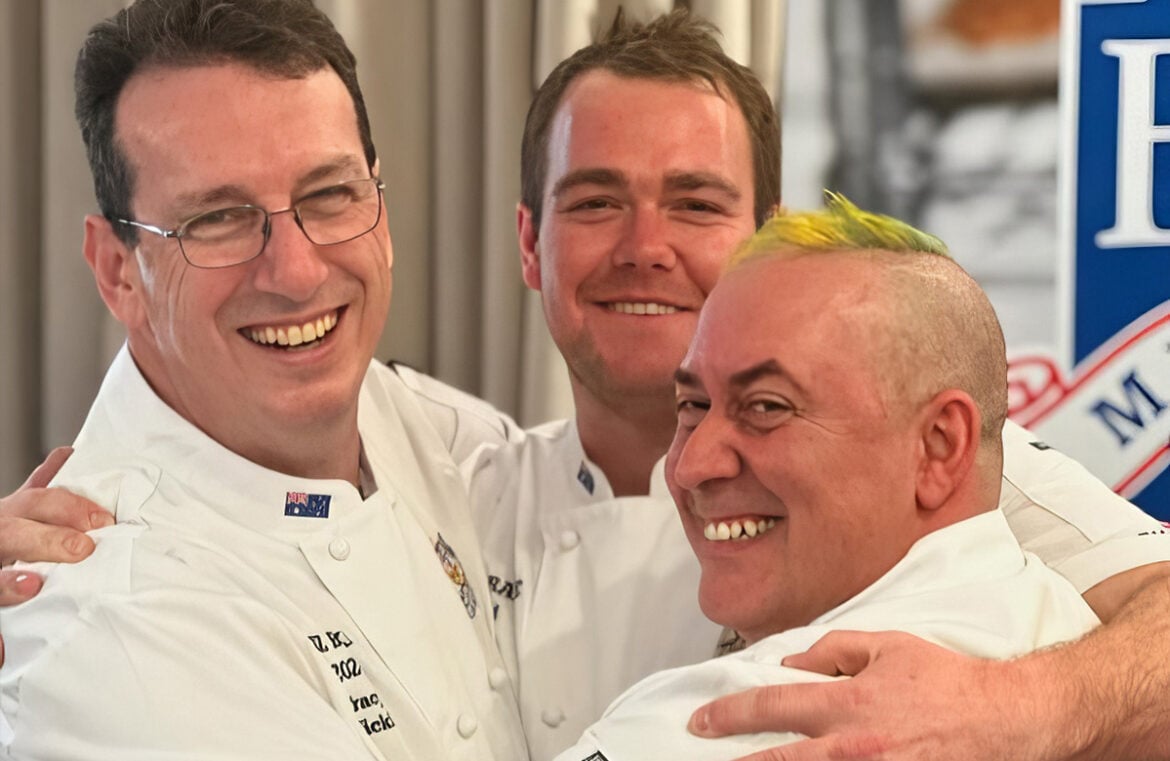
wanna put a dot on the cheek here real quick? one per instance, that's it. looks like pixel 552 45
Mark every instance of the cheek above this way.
pixel 184 303
pixel 707 257
pixel 165 296
pixel 572 252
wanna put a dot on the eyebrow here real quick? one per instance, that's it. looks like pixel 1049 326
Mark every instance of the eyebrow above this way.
pixel 766 369
pixel 337 166
pixel 596 176
pixel 743 378
pixel 190 203
pixel 701 180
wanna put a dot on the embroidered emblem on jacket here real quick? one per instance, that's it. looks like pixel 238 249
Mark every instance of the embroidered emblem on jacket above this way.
pixel 302 505
pixel 454 570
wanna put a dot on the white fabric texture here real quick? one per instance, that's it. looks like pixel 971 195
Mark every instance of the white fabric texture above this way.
pixel 581 580
pixel 967 587
pixel 211 623
pixel 1074 522
pixel 593 591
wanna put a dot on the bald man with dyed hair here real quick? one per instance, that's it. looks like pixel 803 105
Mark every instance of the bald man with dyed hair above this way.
pixel 840 415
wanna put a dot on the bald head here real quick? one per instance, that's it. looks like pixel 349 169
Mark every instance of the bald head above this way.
pixel 935 326
pixel 943 334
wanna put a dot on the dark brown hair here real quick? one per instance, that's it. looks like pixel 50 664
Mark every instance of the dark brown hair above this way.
pixel 675 47
pixel 284 38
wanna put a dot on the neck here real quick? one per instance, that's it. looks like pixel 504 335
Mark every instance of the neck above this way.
pixel 624 438
pixel 326 447
pixel 331 455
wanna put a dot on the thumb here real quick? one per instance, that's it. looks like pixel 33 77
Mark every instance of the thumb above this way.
pixel 839 653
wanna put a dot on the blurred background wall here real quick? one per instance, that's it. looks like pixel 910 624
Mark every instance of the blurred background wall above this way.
pixel 941 111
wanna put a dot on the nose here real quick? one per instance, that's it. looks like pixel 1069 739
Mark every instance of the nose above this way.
pixel 704 454
pixel 646 242
pixel 291 265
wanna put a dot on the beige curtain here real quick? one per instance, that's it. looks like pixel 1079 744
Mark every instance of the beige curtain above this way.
pixel 447 83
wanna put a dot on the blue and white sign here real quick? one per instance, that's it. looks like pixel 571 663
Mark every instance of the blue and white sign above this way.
pixel 1106 400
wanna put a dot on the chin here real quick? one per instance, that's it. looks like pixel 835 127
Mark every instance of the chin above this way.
pixel 315 403
pixel 726 605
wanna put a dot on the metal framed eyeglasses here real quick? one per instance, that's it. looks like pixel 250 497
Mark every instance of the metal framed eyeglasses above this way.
pixel 238 234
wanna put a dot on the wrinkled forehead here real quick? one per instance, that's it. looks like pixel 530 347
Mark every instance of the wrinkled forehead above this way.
pixel 188 129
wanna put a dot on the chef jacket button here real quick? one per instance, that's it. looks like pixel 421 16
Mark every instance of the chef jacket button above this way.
pixel 553 717
pixel 339 549
pixel 569 539
pixel 466 725
pixel 497 678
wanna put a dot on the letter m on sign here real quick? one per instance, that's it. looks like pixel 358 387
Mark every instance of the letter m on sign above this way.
pixel 1114 275
pixel 1123 420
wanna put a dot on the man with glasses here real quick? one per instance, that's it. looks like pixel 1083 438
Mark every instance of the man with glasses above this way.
pixel 293 572
pixel 595 473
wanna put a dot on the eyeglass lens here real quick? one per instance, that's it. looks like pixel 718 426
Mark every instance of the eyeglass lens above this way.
pixel 335 214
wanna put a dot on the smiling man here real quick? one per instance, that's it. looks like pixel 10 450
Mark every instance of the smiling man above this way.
pixel 292 573
pixel 665 154
pixel 815 402
pixel 646 159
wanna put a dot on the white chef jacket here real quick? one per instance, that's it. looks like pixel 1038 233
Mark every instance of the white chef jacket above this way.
pixel 967 587
pixel 593 592
pixel 238 613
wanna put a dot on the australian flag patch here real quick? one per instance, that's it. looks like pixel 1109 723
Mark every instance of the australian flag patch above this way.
pixel 303 505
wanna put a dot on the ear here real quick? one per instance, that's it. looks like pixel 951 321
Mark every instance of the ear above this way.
pixel 115 270
pixel 527 233
pixel 384 225
pixel 949 428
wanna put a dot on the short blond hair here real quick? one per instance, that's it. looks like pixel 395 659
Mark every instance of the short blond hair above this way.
pixel 840 226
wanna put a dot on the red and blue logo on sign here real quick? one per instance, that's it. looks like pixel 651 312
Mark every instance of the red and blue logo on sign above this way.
pixel 1106 400
pixel 303 505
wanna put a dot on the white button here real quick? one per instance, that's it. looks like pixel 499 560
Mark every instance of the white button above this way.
pixel 339 549
pixel 498 678
pixel 569 539
pixel 466 725
pixel 552 717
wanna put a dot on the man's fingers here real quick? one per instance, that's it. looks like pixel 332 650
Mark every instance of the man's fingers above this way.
pixel 31 541
pixel 775 708
pixel 38 523
pixel 838 653
pixel 44 473
pixel 56 507
pixel 16 587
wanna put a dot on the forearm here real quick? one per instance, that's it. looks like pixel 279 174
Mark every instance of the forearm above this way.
pixel 1107 696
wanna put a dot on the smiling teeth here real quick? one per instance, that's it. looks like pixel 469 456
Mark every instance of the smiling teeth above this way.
pixel 294 335
pixel 744 529
pixel 630 307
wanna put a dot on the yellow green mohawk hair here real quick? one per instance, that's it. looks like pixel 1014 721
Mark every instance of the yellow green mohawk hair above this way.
pixel 839 226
